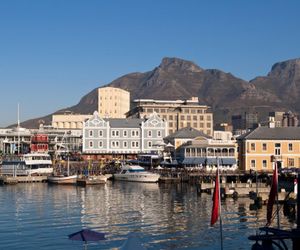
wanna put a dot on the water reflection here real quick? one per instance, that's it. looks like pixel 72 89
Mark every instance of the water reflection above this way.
pixel 166 216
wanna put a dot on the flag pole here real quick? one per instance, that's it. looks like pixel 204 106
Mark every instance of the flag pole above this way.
pixel 220 214
pixel 277 201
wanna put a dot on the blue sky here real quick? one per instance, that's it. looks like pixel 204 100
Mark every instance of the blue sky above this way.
pixel 52 52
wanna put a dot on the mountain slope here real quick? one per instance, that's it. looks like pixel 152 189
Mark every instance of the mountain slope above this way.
pixel 175 79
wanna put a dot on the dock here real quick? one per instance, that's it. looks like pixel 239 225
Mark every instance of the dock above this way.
pixel 11 180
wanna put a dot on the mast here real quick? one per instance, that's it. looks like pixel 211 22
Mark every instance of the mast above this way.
pixel 18 128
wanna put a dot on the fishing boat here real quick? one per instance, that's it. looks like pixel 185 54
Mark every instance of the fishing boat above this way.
pixel 27 164
pixel 135 173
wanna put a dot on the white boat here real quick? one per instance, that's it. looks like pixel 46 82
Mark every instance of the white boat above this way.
pixel 136 173
pixel 28 164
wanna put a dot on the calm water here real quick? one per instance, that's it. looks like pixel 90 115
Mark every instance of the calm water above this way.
pixel 41 216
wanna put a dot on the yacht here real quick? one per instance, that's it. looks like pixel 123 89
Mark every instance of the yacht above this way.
pixel 136 173
pixel 27 164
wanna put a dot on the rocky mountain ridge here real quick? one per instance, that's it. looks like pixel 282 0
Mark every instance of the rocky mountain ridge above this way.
pixel 176 79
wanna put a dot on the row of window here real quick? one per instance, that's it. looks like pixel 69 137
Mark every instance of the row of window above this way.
pixel 183 110
pixel 290 163
pixel 277 147
pixel 189 124
pixel 116 133
pixel 117 144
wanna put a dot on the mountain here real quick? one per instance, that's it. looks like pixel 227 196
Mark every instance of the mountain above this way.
pixel 176 78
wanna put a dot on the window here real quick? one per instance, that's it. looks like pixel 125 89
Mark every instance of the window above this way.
pixel 149 133
pixel 195 117
pixel 264 146
pixel 100 144
pixel 290 146
pixel 291 162
pixel 115 133
pixel 182 117
pixel 253 164
pixel 252 146
pixel 134 133
pixel 91 144
pixel 277 149
pixel 91 133
pixel 199 111
pixel 125 133
pixel 170 117
pixel 158 133
pixel 115 144
pixel 188 117
pixel 125 145
pixel 208 125
pixel 100 133
pixel 201 117
pixel 264 163
pixel 149 144
pixel 134 144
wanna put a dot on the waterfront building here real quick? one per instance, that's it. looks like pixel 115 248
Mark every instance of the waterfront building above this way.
pixel 179 113
pixel 15 140
pixel 45 139
pixel 69 120
pixel 113 102
pixel 207 153
pixel 261 148
pixel 114 137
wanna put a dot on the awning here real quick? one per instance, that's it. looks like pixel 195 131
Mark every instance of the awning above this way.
pixel 193 161
pixel 227 161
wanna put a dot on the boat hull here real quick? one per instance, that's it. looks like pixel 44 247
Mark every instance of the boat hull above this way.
pixel 145 177
pixel 92 180
pixel 72 179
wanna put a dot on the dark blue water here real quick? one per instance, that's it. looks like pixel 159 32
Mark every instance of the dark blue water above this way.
pixel 41 216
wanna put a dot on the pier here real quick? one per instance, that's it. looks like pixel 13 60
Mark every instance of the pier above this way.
pixel 10 180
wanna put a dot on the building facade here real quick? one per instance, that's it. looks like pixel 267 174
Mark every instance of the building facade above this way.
pixel 262 147
pixel 208 153
pixel 123 136
pixel 113 102
pixel 68 120
pixel 178 114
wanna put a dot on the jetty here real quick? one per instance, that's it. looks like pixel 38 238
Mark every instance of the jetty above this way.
pixel 11 180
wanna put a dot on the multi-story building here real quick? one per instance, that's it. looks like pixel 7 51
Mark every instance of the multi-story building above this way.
pixel 245 121
pixel 68 120
pixel 262 147
pixel 123 137
pixel 208 153
pixel 179 114
pixel 113 102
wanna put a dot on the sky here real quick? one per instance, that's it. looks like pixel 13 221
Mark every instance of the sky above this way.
pixel 53 52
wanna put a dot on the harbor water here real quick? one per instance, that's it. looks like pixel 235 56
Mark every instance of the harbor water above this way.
pixel 168 216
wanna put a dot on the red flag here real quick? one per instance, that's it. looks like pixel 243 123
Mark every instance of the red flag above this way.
pixel 216 196
pixel 272 194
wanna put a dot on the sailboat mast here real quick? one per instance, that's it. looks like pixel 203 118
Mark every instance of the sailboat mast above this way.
pixel 18 128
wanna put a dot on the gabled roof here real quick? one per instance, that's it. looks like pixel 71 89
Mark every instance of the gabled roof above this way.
pixel 266 133
pixel 186 133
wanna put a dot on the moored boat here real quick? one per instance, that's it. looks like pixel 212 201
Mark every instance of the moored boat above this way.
pixel 27 164
pixel 136 173
pixel 92 180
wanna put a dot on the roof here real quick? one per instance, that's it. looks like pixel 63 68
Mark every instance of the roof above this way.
pixel 124 123
pixel 266 133
pixel 186 133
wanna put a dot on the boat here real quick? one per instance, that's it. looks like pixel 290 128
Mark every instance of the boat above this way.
pixel 135 173
pixel 27 164
pixel 91 180
pixel 63 178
